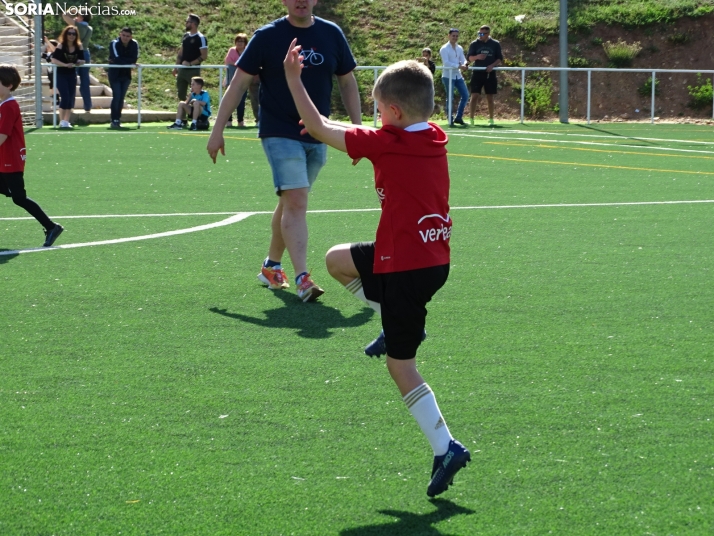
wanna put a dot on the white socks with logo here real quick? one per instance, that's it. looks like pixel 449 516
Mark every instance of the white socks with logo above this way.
pixel 422 405
pixel 355 287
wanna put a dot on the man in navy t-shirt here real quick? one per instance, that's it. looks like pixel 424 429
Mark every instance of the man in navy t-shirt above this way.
pixel 295 159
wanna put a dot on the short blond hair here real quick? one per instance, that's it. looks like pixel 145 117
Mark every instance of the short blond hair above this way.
pixel 409 85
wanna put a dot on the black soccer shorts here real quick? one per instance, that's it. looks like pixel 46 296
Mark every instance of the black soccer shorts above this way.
pixel 403 297
pixel 482 79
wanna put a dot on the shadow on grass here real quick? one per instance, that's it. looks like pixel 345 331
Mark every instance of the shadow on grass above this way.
pixel 602 130
pixel 410 524
pixel 311 320
pixel 6 257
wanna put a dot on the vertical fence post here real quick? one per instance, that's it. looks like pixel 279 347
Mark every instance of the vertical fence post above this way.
pixel 713 98
pixel 653 97
pixel 138 98
pixel 54 98
pixel 37 43
pixel 523 94
pixel 220 85
pixel 376 71
pixel 589 85
pixel 449 99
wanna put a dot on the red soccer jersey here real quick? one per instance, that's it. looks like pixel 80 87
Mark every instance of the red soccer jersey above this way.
pixel 12 151
pixel 411 175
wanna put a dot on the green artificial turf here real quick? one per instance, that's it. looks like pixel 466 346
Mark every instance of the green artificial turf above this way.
pixel 153 387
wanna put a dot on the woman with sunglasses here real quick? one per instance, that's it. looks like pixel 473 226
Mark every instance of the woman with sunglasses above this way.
pixel 67 56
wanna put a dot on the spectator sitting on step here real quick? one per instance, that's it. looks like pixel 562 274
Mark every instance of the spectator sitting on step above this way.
pixel 47 49
pixel 197 106
pixel 66 56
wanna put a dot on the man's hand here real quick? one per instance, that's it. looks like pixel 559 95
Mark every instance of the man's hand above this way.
pixel 175 71
pixel 216 143
pixel 292 64
pixel 186 63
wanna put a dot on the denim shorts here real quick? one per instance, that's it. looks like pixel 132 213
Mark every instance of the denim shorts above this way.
pixel 295 164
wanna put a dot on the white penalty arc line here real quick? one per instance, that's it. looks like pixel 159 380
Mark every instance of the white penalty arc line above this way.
pixel 236 217
pixel 228 221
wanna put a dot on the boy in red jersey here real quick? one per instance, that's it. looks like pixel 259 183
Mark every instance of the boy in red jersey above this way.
pixel 12 154
pixel 398 274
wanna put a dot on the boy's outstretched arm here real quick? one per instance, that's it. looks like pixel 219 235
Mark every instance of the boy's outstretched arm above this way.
pixel 317 126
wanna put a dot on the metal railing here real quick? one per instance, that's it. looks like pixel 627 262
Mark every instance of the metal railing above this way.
pixel 376 69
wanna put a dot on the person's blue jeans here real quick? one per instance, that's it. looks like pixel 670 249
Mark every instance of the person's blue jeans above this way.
pixel 119 88
pixel 84 90
pixel 459 84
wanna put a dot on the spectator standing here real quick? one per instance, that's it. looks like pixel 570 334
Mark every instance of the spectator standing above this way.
pixel 231 59
pixel 426 59
pixel 122 51
pixel 295 159
pixel 66 56
pixel 484 52
pixel 454 61
pixel 13 153
pixel 81 22
pixel 193 52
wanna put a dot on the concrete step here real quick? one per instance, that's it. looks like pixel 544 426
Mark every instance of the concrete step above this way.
pixel 14 40
pixel 11 30
pixel 104 117
pixel 14 50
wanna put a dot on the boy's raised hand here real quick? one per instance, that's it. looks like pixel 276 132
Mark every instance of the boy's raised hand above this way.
pixel 292 63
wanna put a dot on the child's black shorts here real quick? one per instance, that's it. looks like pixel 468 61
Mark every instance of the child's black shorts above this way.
pixel 13 184
pixel 403 297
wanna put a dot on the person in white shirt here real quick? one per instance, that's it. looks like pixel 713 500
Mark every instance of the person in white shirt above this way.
pixel 454 61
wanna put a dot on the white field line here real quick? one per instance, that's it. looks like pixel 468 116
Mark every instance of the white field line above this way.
pixel 236 217
pixel 590 143
pixel 569 134
pixel 228 221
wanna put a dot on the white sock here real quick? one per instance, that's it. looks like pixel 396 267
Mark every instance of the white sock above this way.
pixel 178 121
pixel 355 287
pixel 422 405
pixel 193 122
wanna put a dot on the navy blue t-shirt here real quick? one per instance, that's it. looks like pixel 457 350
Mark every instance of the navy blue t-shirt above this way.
pixel 326 54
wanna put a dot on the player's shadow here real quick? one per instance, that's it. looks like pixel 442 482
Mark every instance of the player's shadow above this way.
pixel 312 320
pixel 410 524
pixel 6 257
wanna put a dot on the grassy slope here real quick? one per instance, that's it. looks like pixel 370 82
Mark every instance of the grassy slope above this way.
pixel 379 31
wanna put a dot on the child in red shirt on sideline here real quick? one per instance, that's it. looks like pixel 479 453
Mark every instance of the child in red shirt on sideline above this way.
pixel 408 263
pixel 12 154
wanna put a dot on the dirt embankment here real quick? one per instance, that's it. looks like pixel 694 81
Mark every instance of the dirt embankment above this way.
pixel 687 44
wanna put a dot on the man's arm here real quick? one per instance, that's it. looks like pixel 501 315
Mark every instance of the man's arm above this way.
pixel 68 19
pixel 237 88
pixel 350 97
pixel 315 124
pixel 204 54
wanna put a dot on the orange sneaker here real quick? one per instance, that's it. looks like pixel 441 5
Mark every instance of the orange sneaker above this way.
pixel 274 278
pixel 307 289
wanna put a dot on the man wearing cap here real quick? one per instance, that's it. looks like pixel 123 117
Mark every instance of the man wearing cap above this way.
pixel 484 52
pixel 454 61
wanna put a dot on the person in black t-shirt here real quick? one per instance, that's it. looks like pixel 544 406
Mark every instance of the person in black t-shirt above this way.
pixel 193 51
pixel 122 51
pixel 66 56
pixel 484 52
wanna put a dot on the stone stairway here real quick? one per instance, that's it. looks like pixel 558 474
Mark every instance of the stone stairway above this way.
pixel 16 48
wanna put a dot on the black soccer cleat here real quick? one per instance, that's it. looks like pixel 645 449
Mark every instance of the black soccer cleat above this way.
pixel 377 348
pixel 52 235
pixel 446 466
